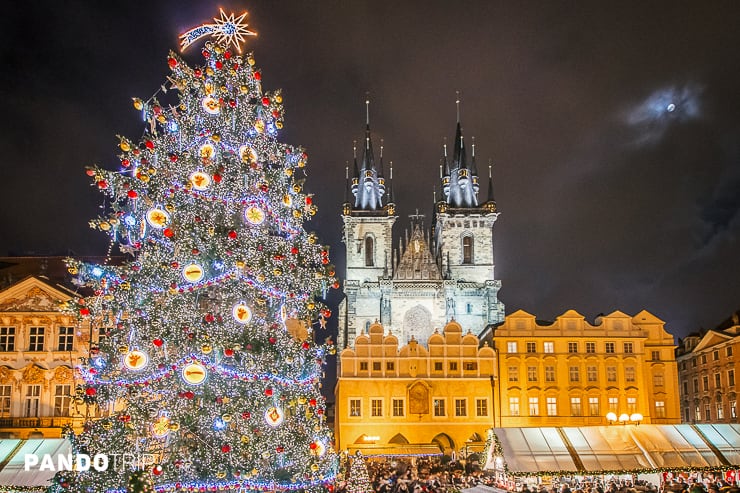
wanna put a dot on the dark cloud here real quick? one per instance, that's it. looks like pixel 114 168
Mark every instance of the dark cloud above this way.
pixel 589 220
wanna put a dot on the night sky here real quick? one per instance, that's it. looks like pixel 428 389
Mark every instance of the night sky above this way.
pixel 614 128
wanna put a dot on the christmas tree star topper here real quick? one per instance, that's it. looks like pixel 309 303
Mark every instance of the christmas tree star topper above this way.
pixel 228 30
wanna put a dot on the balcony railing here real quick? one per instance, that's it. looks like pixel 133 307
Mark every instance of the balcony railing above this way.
pixel 45 422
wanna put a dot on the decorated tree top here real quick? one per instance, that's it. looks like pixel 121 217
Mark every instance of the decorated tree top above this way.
pixel 207 361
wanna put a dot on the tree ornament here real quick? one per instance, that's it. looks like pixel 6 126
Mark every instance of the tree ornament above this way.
pixel 200 180
pixel 254 215
pixel 135 360
pixel 241 313
pixel 194 373
pixel 192 273
pixel 206 151
pixel 158 342
pixel 274 416
pixel 90 391
pixel 211 105
pixel 157 218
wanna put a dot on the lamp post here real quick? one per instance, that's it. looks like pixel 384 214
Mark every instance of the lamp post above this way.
pixel 624 418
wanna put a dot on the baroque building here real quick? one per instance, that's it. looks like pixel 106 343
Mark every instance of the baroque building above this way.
pixel 438 395
pixel 573 373
pixel 707 367
pixel 432 276
pixel 447 391
pixel 39 347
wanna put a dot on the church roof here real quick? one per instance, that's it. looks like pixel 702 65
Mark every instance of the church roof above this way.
pixel 417 261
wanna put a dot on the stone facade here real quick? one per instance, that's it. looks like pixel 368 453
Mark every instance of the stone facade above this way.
pixel 708 369
pixel 39 347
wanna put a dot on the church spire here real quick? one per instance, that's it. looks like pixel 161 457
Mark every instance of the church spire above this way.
pixel 460 181
pixel 369 186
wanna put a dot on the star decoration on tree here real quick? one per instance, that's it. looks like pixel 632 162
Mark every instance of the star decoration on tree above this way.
pixel 228 30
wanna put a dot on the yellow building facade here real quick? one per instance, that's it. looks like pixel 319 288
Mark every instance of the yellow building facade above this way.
pixel 39 348
pixel 521 373
pixel 411 397
pixel 573 373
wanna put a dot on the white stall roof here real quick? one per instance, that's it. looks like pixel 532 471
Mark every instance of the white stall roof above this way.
pixel 14 472
pixel 619 448
pixel 534 449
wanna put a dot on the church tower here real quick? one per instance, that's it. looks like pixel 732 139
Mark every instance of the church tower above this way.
pixel 368 214
pixel 463 231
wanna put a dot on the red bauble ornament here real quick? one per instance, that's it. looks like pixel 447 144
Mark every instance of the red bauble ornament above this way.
pixel 206 54
pixel 228 352
pixel 189 394
pixel 312 402
pixel 325 261
pixel 158 342
pixel 195 251
pixel 173 158
pixel 90 391
pixel 232 103
pixel 294 251
pixel 226 448
pixel 227 54
pixel 102 184
pixel 266 101
pixel 84 312
pixel 246 415
pixel 209 317
pixel 157 470
pixel 219 65
pixel 264 188
pixel 132 194
pixel 280 449
pixel 258 75
pixel 335 285
pixel 273 340
pixel 172 62
pixel 309 201
pixel 305 345
pixel 168 232
pixel 174 265
pixel 326 313
pixel 149 144
pixel 268 392
pixel 217 178
pixel 90 172
pixel 197 72
pixel 125 163
pixel 232 234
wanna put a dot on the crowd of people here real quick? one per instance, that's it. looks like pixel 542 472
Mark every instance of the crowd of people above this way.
pixel 420 476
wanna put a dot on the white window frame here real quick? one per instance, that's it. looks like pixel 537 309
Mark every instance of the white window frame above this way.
pixel 349 407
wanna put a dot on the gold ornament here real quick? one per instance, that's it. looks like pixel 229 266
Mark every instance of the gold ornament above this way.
pixel 287 200
pixel 314 467
pixel 200 180
pixel 244 439
pixel 107 425
pixel 207 151
pixel 250 60
pixel 216 137
pixel 174 426
pixel 226 418
pixel 278 98
pixel 157 218
pixel 279 125
pixel 123 349
pixel 240 264
pixel 259 126
pixel 254 215
pixel 124 145
pixel 241 313
pixel 244 89
pixel 194 373
pixel 72 270
pixel 135 360
pixel 138 104
pixel 206 349
pixel 288 171
pixel 192 272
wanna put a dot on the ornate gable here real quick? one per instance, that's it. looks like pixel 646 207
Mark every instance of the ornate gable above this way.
pixel 417 261
pixel 32 295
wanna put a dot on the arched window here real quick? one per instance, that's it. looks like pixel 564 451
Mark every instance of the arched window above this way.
pixel 467 247
pixel 369 253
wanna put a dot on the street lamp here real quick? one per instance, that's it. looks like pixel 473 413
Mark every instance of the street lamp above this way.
pixel 611 417
pixel 623 418
pixel 636 418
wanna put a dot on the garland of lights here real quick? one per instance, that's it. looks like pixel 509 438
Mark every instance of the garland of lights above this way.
pixel 207 360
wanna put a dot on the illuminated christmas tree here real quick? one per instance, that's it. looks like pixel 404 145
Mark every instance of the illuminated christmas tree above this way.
pixel 207 369
pixel 359 480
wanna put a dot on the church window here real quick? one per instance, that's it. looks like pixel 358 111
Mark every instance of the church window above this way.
pixel 469 308
pixel 590 347
pixel 549 374
pixel 549 347
pixel 453 365
pixel 534 406
pixel 390 366
pixel 369 253
pixel 658 380
pixel 467 247
pixel 629 373
pixel 376 365
pixel 513 374
pixel 514 406
pixel 531 347
pixel 470 366
pixel 437 366
pixel 552 406
pixel 511 347
pixel 593 406
pixel 363 365
pixel 575 406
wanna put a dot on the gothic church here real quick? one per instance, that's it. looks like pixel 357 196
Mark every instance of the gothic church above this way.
pixel 434 275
